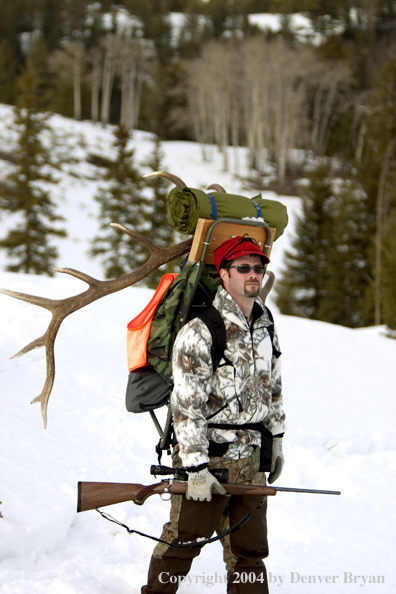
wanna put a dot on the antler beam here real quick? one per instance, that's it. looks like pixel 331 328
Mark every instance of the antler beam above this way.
pixel 61 308
pixel 217 188
pixel 169 176
pixel 268 285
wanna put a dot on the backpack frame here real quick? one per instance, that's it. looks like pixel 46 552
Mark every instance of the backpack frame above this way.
pixel 157 382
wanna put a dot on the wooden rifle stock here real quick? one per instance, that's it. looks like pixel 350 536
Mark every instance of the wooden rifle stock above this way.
pixel 93 495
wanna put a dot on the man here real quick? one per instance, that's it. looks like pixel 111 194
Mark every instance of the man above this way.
pixel 224 419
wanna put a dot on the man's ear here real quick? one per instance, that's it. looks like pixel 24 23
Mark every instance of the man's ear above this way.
pixel 223 274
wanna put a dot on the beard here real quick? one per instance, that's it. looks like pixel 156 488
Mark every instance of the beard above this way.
pixel 252 291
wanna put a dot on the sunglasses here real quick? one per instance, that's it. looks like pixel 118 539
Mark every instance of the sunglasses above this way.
pixel 246 268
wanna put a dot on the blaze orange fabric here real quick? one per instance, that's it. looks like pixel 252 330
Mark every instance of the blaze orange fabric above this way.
pixel 138 329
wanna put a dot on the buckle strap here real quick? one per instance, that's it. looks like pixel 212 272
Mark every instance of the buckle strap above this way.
pixel 266 440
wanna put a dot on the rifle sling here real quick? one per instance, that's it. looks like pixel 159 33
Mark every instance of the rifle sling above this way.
pixel 185 545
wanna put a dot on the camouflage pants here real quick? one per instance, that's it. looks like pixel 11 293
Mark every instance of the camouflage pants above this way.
pixel 189 520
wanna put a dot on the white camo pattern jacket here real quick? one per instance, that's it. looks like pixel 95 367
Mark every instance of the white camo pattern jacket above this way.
pixel 249 391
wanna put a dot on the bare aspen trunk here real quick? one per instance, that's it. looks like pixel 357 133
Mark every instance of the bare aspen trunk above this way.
pixel 316 119
pixel 195 105
pixel 329 102
pixel 124 93
pixel 107 84
pixel 255 65
pixel 77 87
pixel 225 143
pixel 253 126
pixel 95 88
pixel 74 56
pixel 133 69
pixel 131 98
pixel 235 137
pixel 109 67
pixel 360 142
pixel 138 95
pixel 327 110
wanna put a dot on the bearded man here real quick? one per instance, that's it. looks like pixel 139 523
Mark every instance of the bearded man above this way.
pixel 231 418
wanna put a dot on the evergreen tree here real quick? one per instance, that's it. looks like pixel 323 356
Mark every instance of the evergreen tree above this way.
pixel 325 15
pixel 327 272
pixel 13 16
pixel 377 173
pixel 192 36
pixel 164 102
pixel 121 201
pixel 27 244
pixel 347 268
pixel 301 287
pixel 161 232
pixel 160 31
pixel 51 15
pixel 7 73
pixel 37 63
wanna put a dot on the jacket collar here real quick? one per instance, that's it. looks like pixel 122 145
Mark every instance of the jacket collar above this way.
pixel 229 308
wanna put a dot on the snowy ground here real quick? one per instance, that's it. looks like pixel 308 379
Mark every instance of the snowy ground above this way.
pixel 339 388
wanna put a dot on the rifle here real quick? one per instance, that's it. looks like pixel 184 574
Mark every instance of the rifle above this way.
pixel 92 495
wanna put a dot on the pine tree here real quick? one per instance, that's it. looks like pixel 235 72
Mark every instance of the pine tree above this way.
pixel 27 244
pixel 121 201
pixel 378 176
pixel 161 232
pixel 37 63
pixel 7 73
pixel 347 268
pixel 327 272
pixel 301 287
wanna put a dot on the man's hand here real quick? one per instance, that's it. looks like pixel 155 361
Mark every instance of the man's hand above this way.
pixel 200 485
pixel 277 460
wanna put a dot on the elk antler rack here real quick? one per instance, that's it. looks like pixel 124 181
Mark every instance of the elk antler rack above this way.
pixel 61 308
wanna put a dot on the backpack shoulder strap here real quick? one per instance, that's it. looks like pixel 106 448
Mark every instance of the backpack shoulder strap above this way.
pixel 215 323
pixel 271 331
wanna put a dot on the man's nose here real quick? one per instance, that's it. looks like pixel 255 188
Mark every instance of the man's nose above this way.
pixel 253 275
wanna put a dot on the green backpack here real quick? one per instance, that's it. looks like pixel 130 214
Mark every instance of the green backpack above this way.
pixel 190 294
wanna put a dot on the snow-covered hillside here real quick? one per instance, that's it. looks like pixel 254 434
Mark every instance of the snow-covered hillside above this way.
pixel 79 180
pixel 339 389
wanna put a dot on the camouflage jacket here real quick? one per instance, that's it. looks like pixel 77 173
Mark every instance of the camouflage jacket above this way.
pixel 246 390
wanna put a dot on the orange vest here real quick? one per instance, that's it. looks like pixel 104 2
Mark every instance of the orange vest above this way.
pixel 138 329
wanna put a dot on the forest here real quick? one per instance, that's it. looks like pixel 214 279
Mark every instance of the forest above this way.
pixel 315 105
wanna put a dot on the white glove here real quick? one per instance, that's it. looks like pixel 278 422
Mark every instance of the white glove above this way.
pixel 200 485
pixel 277 460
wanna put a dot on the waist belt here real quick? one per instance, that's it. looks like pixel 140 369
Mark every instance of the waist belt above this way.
pixel 219 449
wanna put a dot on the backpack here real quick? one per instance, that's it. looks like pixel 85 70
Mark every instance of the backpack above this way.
pixel 189 295
pixel 151 334
pixel 147 390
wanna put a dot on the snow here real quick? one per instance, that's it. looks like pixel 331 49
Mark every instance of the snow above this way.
pixel 339 390
pixel 300 24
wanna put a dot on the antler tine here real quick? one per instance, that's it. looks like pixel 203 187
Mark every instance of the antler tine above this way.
pixel 217 187
pixel 40 301
pixel 61 308
pixel 169 176
pixel 268 285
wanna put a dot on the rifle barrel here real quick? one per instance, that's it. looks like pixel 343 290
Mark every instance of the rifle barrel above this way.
pixel 317 491
pixel 93 495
